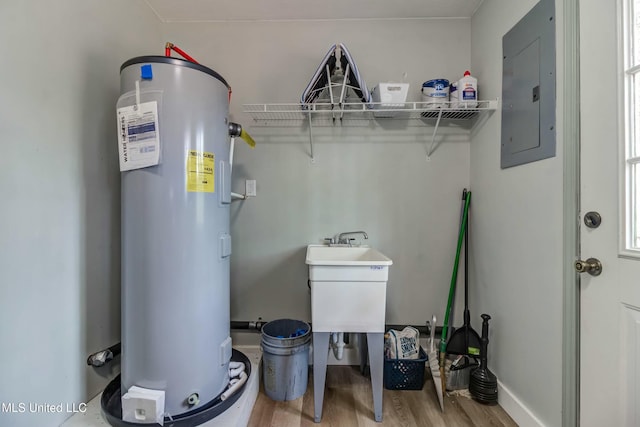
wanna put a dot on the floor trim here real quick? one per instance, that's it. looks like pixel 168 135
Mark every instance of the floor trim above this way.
pixel 516 409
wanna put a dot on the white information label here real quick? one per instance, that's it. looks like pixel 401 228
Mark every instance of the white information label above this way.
pixel 138 136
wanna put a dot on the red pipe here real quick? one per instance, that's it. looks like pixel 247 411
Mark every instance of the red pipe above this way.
pixel 184 54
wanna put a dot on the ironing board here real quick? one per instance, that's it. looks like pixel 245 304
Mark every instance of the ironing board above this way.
pixel 336 69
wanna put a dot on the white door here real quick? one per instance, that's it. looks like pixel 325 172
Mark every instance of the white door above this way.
pixel 610 302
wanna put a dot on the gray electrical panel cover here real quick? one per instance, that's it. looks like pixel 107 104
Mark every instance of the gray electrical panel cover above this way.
pixel 529 88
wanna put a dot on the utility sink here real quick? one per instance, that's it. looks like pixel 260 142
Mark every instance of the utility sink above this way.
pixel 348 288
pixel 348 294
pixel 347 263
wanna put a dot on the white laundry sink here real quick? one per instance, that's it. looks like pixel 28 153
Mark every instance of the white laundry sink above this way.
pixel 348 288
pixel 354 263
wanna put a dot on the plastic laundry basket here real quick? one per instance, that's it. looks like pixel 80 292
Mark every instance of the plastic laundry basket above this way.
pixel 285 358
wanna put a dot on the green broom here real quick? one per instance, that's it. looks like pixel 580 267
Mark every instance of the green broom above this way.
pixel 452 289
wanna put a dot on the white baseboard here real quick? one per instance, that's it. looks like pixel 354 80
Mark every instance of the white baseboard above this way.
pixel 516 409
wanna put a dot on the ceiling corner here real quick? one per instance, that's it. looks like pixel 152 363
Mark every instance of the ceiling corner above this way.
pixel 155 12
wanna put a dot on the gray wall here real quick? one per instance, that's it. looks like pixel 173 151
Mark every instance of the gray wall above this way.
pixel 60 192
pixel 516 231
pixel 377 180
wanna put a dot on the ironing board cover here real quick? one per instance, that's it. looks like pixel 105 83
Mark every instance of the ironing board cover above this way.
pixel 319 80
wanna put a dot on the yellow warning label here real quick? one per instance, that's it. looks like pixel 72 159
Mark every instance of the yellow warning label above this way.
pixel 200 172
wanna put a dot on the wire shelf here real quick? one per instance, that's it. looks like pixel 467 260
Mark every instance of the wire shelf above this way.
pixel 328 114
pixel 366 114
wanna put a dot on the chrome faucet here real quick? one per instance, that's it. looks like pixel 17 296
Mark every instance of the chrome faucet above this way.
pixel 342 240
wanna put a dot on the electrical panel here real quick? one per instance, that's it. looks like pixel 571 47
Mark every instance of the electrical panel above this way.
pixel 529 88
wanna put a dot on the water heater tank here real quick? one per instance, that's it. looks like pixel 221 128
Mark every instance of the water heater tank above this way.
pixel 175 235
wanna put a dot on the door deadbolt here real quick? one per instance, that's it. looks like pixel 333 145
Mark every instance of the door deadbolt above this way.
pixel 592 219
pixel 592 266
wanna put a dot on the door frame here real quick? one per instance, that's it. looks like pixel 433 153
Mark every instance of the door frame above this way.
pixel 571 213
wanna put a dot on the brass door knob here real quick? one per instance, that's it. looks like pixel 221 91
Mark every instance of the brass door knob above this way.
pixel 592 266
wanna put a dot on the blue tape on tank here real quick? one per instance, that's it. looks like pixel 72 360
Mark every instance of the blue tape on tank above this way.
pixel 146 72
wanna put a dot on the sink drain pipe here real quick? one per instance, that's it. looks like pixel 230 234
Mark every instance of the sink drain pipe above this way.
pixel 337 342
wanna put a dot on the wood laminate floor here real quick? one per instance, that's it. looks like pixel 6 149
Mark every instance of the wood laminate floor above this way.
pixel 348 403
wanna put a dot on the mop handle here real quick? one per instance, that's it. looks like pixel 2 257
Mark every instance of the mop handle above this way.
pixel 454 276
pixel 467 316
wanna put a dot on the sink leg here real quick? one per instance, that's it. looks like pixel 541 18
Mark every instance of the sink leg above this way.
pixel 362 349
pixel 320 353
pixel 376 362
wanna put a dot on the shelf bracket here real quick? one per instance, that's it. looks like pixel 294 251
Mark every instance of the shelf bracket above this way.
pixel 433 137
